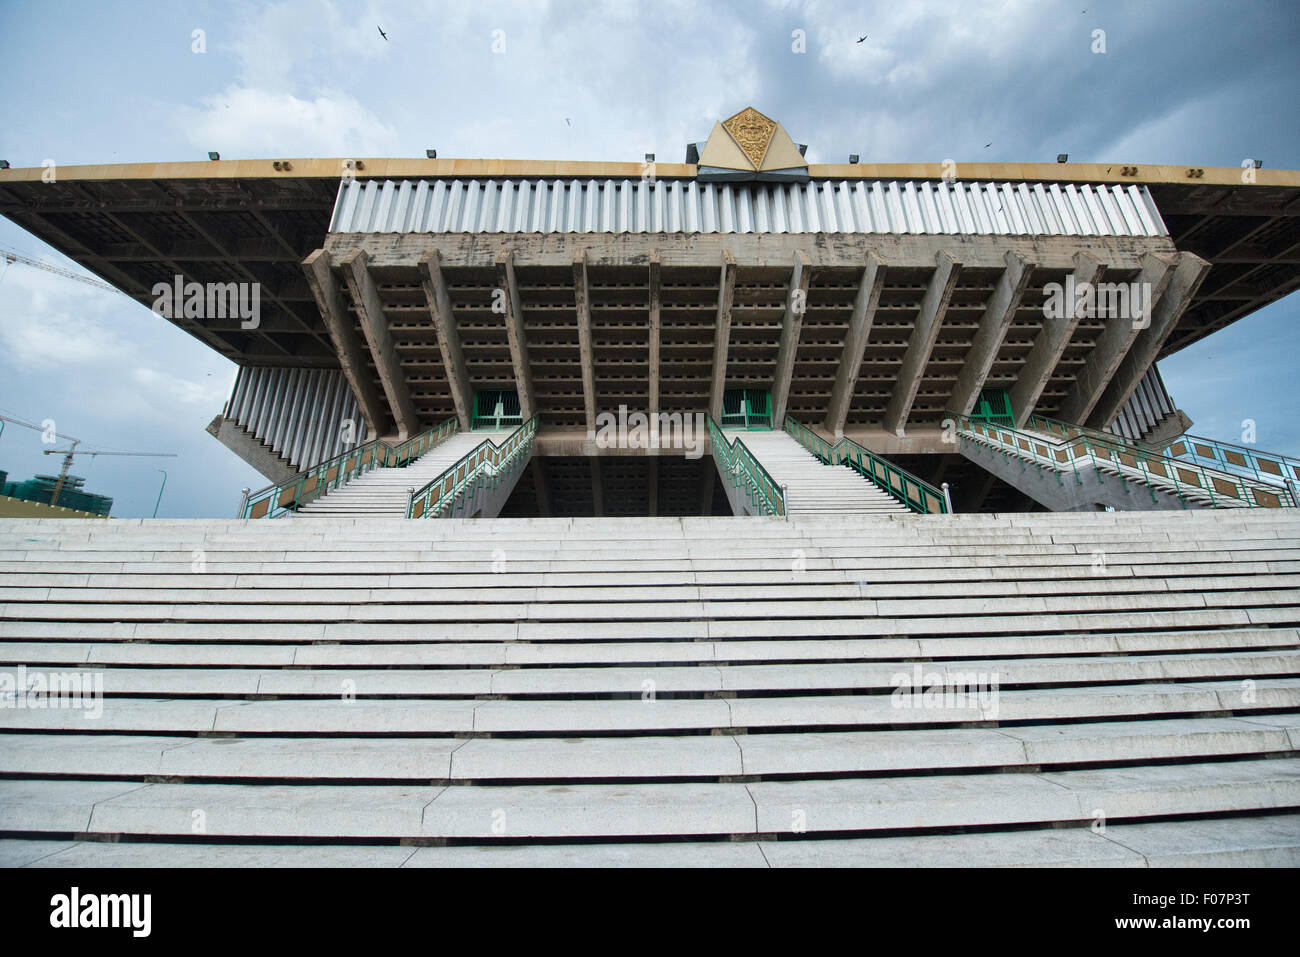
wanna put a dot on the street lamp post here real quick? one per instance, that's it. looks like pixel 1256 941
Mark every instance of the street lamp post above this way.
pixel 160 491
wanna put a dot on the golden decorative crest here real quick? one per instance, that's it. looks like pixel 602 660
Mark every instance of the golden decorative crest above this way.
pixel 752 132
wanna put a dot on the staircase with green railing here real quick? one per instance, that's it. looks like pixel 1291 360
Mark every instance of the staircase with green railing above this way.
pixel 1216 458
pixel 1084 456
pixel 484 470
pixel 752 489
pixel 312 483
pixel 916 493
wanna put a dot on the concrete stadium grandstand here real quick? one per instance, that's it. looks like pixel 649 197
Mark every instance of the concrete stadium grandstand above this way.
pixel 732 511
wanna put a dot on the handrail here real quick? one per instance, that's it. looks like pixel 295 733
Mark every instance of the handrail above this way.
pixel 1078 444
pixel 433 498
pixel 1268 467
pixel 313 482
pixel 1227 458
pixel 743 471
pixel 917 494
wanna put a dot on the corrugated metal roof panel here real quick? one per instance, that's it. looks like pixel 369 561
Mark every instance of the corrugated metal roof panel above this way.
pixel 299 413
pixel 821 206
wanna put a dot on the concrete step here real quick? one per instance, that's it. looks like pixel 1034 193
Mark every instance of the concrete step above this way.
pixel 1268 841
pixel 813 486
pixel 645 757
pixel 863 805
pixel 620 682
pixel 693 678
pixel 425 716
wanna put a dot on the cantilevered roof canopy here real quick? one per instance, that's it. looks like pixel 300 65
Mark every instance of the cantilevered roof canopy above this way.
pixel 135 225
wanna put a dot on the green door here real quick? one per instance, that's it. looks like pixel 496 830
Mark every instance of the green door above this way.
pixel 496 410
pixel 746 409
pixel 994 407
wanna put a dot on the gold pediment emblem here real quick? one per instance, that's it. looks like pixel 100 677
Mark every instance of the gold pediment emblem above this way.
pixel 752 132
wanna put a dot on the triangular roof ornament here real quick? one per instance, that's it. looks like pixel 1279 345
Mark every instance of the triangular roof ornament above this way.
pixel 751 146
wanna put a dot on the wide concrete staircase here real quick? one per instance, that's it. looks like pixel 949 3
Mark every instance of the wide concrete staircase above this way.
pixel 383 491
pixel 812 486
pixel 706 691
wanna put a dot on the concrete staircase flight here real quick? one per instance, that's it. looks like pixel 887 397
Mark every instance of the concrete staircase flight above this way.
pixel 383 491
pixel 704 692
pixel 812 486
pixel 1028 463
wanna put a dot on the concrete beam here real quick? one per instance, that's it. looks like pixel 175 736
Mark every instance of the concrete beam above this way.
pixel 329 299
pixel 1051 342
pixel 444 325
pixel 796 304
pixel 514 319
pixel 870 286
pixel 839 251
pixel 1188 276
pixel 374 325
pixel 999 312
pixel 1117 337
pixel 722 335
pixel 259 455
pixel 654 331
pixel 929 319
pixel 582 309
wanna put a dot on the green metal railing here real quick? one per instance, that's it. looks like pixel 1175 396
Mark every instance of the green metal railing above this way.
pixel 1074 445
pixel 277 500
pixel 487 464
pixel 1262 466
pixel 1235 460
pixel 917 494
pixel 742 471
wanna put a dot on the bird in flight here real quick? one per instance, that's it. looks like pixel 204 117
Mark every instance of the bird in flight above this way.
pixel 861 38
pixel 381 32
pixel 987 145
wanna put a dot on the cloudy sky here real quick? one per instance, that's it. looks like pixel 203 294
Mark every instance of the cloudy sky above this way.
pixel 89 82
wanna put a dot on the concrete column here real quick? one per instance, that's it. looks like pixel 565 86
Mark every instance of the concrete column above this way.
pixel 1188 276
pixel 726 294
pixel 334 311
pixel 796 303
pixel 540 486
pixel 444 325
pixel 929 319
pixel 1116 339
pixel 514 319
pixel 374 324
pixel 653 331
pixel 582 309
pixel 998 315
pixel 1051 342
pixel 870 286
pixel 597 485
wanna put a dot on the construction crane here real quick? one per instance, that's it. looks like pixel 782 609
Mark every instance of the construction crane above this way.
pixel 13 256
pixel 67 463
pixel 69 452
